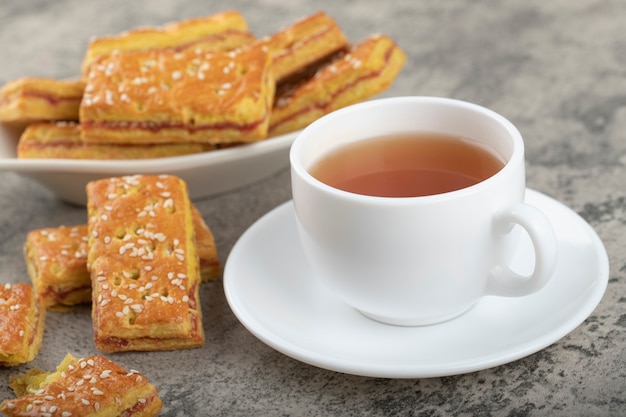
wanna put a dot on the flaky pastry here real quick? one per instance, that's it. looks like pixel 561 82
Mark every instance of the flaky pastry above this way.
pixel 88 387
pixel 63 140
pixel 367 69
pixel 56 260
pixel 173 97
pixel 143 264
pixel 306 42
pixel 22 318
pixel 221 31
pixel 31 99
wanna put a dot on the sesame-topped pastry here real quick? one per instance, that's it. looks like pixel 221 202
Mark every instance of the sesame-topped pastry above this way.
pixel 88 387
pixel 172 97
pixel 366 70
pixel 63 140
pixel 306 42
pixel 56 261
pixel 226 30
pixel 22 319
pixel 30 99
pixel 143 264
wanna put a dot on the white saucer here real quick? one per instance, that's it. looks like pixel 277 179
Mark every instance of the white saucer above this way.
pixel 271 290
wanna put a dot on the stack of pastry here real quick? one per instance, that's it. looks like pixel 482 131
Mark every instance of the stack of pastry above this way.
pixel 56 261
pixel 197 85
pixel 70 265
pixel 139 260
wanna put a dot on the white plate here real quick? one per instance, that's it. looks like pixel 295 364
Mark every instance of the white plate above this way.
pixel 271 291
pixel 206 173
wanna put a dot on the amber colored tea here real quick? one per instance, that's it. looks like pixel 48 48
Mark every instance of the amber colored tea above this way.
pixel 407 165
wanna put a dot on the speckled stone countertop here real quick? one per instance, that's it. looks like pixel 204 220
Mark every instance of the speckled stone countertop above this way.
pixel 556 69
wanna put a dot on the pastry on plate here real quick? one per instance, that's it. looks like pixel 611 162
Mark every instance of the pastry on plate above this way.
pixel 306 42
pixel 63 140
pixel 22 318
pixel 221 31
pixel 367 69
pixel 31 99
pixel 164 96
pixel 143 264
pixel 87 387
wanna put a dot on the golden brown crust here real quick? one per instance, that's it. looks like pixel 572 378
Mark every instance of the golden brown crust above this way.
pixel 63 140
pixel 197 32
pixel 208 259
pixel 305 42
pixel 56 261
pixel 22 319
pixel 31 99
pixel 143 264
pixel 91 387
pixel 367 69
pixel 172 97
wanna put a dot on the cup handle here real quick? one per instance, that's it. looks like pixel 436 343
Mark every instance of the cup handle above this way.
pixel 503 281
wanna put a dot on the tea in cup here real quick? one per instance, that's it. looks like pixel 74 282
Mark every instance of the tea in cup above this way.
pixel 406 207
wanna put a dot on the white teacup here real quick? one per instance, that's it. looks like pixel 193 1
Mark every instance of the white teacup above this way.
pixel 425 259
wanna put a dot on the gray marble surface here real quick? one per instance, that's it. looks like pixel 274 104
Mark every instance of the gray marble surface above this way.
pixel 557 69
